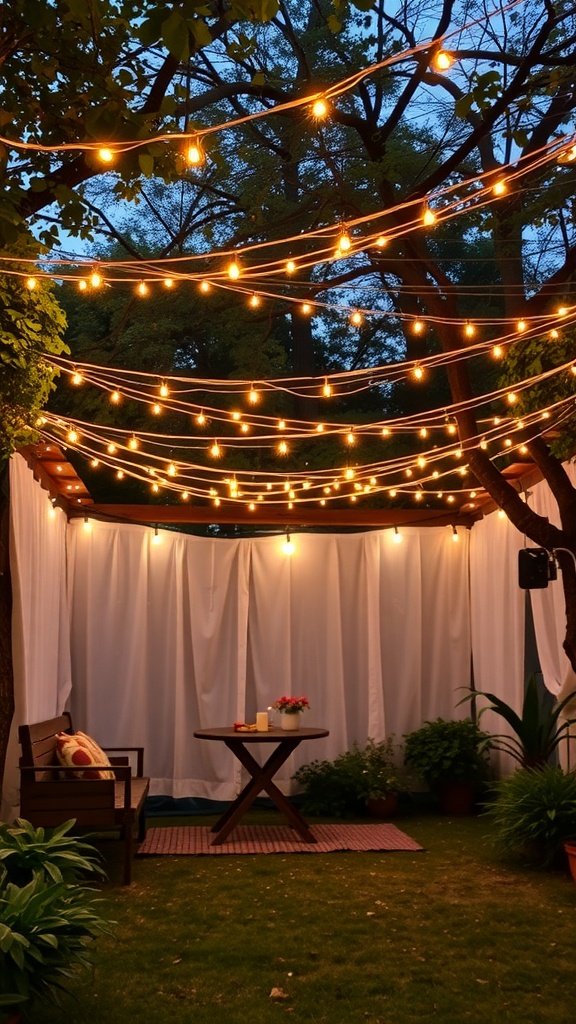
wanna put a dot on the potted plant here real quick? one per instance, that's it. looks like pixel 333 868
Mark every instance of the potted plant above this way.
pixel 47 918
pixel 537 730
pixel 382 785
pixel 452 758
pixel 344 786
pixel 534 813
pixel 290 709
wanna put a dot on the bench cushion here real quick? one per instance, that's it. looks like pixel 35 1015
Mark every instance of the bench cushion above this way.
pixel 81 750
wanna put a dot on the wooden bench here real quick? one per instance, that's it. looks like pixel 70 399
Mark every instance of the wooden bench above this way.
pixel 51 794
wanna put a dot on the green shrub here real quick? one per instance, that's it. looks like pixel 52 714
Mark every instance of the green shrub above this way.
pixel 340 788
pixel 443 751
pixel 534 812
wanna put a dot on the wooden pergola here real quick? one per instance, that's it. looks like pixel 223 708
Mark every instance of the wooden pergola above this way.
pixel 59 477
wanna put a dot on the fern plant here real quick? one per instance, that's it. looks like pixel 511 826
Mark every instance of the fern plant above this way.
pixel 53 854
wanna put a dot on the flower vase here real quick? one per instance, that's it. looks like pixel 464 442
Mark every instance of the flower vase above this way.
pixel 290 722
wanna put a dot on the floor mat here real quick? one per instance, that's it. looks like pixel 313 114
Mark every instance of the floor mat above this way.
pixel 194 840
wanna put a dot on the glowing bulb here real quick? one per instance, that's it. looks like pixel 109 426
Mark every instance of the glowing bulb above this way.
pixel 215 450
pixel 327 389
pixel 82 285
pixel 94 463
pixel 72 435
pixel 469 330
pixel 562 311
pixel 168 282
pixel 281 424
pixel 283 448
pixel 396 536
pixel 418 372
pixel 497 351
pixel 521 326
pixel 156 409
pixel 95 279
pixel 111 449
pixel 356 319
pixel 106 155
pixel 87 524
pixel 500 188
pixel 417 327
pixel 142 289
pixel 443 60
pixel 194 154
pixel 253 396
pixel 236 415
pixel 163 392
pixel 171 469
pixel 290 267
pixel 554 334
pixel 319 109
pixel 381 241
pixel 200 419
pixel 288 547
pixel 392 493
pixel 184 495
pixel 349 474
pixel 254 301
pixel 305 308
pixel 511 398
pixel 455 536
pixel 421 462
pixel 115 397
pixel 385 432
pixel 77 378
pixel 120 474
pixel 429 218
pixel 350 437
pixel 501 513
pixel 133 443
pixel 156 539
pixel 205 286
pixel 233 270
pixel 344 243
pixel 31 283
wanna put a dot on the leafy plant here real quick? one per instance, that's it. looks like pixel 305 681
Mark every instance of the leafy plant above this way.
pixel 443 751
pixel 534 811
pixel 538 729
pixel 54 855
pixel 44 934
pixel 341 787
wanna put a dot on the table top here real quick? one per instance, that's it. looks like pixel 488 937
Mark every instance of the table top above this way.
pixel 271 736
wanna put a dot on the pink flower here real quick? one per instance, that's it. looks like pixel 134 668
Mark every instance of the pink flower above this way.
pixel 291 705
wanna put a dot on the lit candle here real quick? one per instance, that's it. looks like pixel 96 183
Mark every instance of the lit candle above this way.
pixel 262 721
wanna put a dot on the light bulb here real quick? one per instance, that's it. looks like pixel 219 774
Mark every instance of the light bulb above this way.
pixel 233 270
pixel 72 435
pixel 288 546
pixel 76 378
pixel 106 155
pixel 215 450
pixel 31 283
pixel 497 351
pixel 87 524
pixel 95 279
pixel 417 327
pixel 455 536
pixel 443 60
pixel 521 326
pixel 500 188
pixel 418 372
pixel 163 392
pixel 320 109
pixel 429 218
pixel 356 319
pixel 253 396
pixel 254 301
pixel 156 539
pixel 200 419
pixel 327 389
pixel 142 289
pixel 344 242
pixel 469 330
pixel 115 397
pixel 396 536
pixel 290 267
pixel 195 154
pixel 381 241
pixel 82 285
pixel 168 282
pixel 205 286
pixel 283 448
pixel 305 308
pixel 133 443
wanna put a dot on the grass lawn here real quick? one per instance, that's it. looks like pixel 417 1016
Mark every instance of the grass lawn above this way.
pixel 452 934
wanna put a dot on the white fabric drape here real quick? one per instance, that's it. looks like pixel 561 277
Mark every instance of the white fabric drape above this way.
pixel 40 626
pixel 192 632
pixel 497 608
pixel 163 639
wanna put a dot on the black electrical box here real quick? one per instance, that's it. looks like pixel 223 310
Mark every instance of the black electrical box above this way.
pixel 533 568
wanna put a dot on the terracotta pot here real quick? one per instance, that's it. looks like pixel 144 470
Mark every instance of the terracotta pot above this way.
pixel 570 848
pixel 382 806
pixel 457 799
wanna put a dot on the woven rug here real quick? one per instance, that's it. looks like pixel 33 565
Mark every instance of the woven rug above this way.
pixel 276 839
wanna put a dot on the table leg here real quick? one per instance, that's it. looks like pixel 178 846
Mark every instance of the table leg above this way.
pixel 261 780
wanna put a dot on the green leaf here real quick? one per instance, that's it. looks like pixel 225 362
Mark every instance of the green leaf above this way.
pixel 146 164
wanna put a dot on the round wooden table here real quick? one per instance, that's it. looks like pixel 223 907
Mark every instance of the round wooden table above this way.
pixel 261 776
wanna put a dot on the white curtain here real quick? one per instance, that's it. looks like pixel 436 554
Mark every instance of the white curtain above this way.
pixel 40 626
pixel 192 633
pixel 497 610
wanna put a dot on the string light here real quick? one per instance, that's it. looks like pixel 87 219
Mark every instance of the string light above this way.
pixel 320 109
pixel 455 536
pixel 397 536
pixel 106 155
pixel 288 547
pixel 290 267
pixel 195 154
pixel 164 391
pixel 215 450
pixel 254 301
pixel 142 289
pixel 253 396
pixel 327 389
pixel 31 283
pixel 87 524
pixel 443 60
pixel 233 270
pixel 428 217
pixel 76 378
pixel 500 187
pixel 96 279
pixel 156 539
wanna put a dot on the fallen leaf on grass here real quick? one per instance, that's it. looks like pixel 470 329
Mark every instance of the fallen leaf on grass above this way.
pixel 279 993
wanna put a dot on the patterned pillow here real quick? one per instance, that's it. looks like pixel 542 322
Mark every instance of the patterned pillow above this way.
pixel 79 749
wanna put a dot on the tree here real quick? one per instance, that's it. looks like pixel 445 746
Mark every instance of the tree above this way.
pixel 459 110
